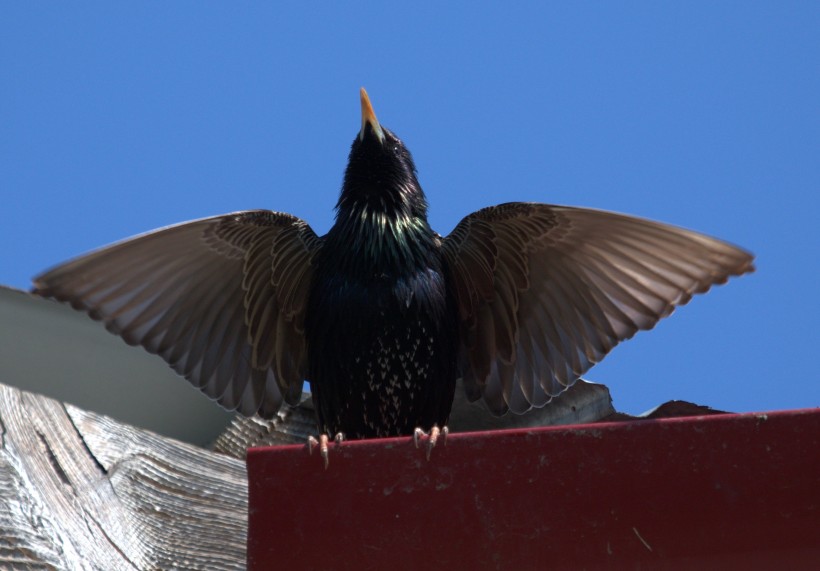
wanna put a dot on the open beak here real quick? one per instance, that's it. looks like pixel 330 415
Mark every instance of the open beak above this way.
pixel 369 118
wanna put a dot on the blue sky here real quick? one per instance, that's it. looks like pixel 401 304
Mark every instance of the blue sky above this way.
pixel 116 118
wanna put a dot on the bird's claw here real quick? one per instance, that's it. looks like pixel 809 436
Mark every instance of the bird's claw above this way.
pixel 322 443
pixel 432 437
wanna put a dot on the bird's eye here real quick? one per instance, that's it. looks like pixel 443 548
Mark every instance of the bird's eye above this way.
pixel 396 150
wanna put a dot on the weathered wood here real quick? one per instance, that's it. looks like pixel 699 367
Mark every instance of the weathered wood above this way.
pixel 81 491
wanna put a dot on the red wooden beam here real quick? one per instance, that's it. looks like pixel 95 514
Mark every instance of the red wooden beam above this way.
pixel 724 491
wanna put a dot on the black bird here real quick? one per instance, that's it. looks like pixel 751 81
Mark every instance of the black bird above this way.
pixel 382 314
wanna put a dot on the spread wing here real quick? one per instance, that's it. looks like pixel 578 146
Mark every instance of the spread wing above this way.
pixel 221 299
pixel 545 292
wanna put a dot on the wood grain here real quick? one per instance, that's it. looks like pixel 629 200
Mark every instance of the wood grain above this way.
pixel 82 491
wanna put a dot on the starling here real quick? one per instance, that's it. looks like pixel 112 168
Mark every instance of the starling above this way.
pixel 382 314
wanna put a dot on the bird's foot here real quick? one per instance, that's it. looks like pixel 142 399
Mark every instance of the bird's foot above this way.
pixel 432 437
pixel 322 443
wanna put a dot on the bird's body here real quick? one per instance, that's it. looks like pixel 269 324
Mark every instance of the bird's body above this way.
pixel 382 350
pixel 382 315
pixel 381 324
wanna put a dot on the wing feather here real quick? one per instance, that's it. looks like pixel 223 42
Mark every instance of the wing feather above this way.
pixel 220 299
pixel 545 292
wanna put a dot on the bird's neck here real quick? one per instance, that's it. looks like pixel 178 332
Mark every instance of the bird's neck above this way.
pixel 378 237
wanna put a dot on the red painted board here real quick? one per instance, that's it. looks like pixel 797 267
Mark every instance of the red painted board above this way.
pixel 726 491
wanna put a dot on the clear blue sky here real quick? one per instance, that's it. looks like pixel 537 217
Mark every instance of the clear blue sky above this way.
pixel 116 118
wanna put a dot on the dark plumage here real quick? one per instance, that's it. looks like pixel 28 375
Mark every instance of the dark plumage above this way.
pixel 382 314
pixel 381 322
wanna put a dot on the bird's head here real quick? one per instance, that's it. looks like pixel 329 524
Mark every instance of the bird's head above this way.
pixel 380 175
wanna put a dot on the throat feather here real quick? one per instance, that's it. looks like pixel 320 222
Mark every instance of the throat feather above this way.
pixel 385 241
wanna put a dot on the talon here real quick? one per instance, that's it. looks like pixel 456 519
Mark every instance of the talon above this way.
pixel 431 443
pixel 322 444
pixel 433 438
pixel 418 433
pixel 323 449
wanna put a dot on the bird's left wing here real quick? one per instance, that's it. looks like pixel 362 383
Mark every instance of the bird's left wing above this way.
pixel 545 292
pixel 221 299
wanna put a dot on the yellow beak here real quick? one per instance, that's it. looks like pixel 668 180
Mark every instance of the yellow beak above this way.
pixel 369 117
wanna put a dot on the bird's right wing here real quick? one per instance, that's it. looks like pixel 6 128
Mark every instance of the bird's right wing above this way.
pixel 221 299
pixel 544 292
